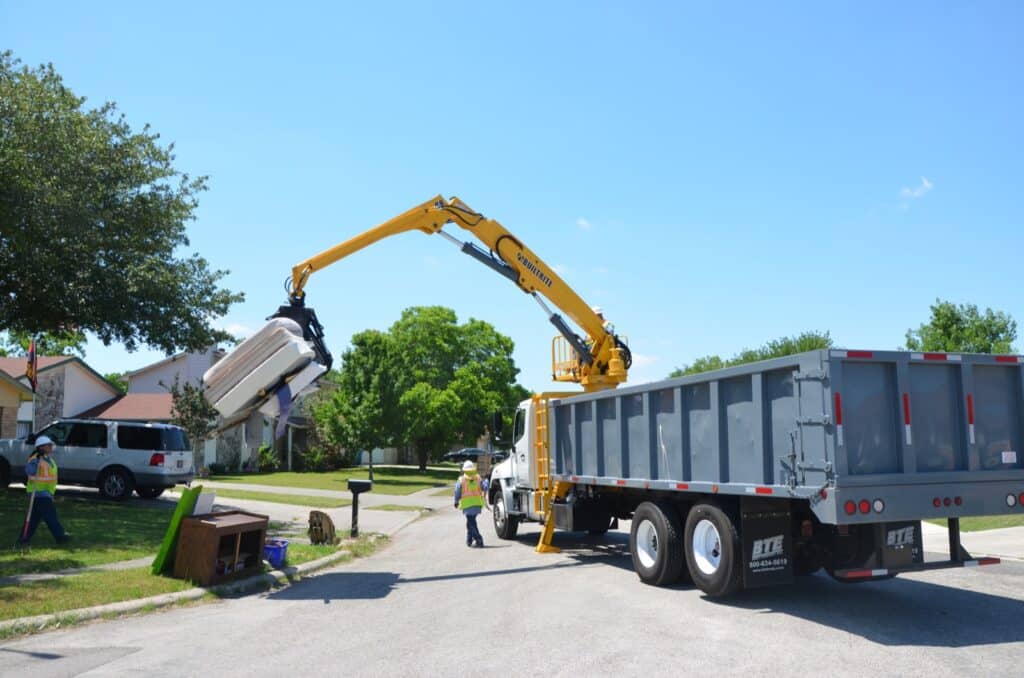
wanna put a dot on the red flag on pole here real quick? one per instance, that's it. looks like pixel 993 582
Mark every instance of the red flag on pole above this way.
pixel 32 371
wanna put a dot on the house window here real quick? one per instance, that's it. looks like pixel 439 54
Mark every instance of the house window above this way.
pixel 24 429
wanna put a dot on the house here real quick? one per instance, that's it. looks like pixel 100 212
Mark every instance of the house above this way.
pixel 66 387
pixel 12 394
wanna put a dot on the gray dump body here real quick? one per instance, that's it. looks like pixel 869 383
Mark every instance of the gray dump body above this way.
pixel 830 427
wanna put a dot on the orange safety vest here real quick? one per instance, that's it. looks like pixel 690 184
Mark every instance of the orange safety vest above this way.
pixel 471 495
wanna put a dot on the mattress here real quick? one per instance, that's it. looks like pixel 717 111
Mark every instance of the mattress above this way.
pixel 300 383
pixel 243 377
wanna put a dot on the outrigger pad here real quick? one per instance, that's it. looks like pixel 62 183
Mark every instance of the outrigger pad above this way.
pixel 250 374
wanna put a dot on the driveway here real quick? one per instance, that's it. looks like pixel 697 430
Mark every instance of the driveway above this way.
pixel 426 606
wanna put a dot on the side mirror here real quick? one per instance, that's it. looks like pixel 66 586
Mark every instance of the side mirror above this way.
pixel 31 439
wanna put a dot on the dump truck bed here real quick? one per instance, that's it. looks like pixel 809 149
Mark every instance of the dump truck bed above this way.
pixel 903 435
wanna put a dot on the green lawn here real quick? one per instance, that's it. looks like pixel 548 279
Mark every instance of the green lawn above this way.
pixel 279 498
pixel 83 590
pixel 980 523
pixel 364 545
pixel 103 532
pixel 385 480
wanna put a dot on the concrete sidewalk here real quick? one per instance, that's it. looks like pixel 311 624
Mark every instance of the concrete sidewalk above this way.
pixel 1007 542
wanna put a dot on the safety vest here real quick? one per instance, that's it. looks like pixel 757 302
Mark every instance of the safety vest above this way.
pixel 46 477
pixel 472 495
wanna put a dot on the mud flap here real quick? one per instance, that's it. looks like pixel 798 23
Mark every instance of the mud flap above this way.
pixel 900 544
pixel 766 533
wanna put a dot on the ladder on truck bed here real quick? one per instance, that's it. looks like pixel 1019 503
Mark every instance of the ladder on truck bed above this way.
pixel 547 491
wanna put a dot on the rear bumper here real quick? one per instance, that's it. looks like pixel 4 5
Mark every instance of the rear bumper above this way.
pixel 864 574
pixel 918 501
pixel 163 479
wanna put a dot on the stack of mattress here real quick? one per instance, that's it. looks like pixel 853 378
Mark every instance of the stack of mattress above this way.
pixel 258 367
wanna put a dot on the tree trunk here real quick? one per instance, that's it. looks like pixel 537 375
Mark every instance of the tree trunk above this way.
pixel 422 454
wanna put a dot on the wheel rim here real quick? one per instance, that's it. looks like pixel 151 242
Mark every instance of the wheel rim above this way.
pixel 647 543
pixel 499 512
pixel 114 485
pixel 707 547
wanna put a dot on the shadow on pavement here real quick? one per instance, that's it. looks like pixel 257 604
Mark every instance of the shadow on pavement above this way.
pixel 895 612
pixel 373 585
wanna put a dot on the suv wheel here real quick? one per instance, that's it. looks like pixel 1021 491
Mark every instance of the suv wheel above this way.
pixel 149 492
pixel 116 484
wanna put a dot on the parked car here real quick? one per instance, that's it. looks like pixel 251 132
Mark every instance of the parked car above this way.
pixel 474 454
pixel 117 457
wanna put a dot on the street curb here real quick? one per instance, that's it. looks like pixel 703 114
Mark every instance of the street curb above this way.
pixel 260 581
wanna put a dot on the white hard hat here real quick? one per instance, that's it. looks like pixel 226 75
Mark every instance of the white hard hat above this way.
pixel 468 466
pixel 43 440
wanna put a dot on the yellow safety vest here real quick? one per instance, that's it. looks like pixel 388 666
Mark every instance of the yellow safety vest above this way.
pixel 46 477
pixel 472 495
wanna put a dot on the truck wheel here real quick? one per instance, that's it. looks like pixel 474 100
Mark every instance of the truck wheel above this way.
pixel 116 484
pixel 655 543
pixel 713 553
pixel 505 526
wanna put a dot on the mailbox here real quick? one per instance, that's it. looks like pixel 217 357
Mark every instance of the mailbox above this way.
pixel 357 487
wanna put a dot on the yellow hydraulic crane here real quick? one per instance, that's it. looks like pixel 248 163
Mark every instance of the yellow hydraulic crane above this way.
pixel 598 361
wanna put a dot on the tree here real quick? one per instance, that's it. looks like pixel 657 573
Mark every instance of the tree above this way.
pixel 191 411
pixel 428 382
pixel 117 380
pixel 777 348
pixel 63 342
pixel 92 214
pixel 962 328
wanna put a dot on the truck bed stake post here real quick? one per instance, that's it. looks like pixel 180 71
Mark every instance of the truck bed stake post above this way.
pixel 956 551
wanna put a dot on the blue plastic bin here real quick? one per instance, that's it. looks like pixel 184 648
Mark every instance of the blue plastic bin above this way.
pixel 275 551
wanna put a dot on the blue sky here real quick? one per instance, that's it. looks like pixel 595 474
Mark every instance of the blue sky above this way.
pixel 712 175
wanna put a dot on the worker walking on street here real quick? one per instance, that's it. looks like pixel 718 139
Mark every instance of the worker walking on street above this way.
pixel 41 484
pixel 469 498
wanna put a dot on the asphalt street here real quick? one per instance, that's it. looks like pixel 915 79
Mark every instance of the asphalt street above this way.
pixel 426 606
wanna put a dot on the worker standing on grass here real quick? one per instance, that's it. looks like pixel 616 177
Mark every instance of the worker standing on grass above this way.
pixel 41 484
pixel 469 498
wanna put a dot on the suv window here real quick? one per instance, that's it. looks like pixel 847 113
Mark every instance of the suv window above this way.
pixel 58 432
pixel 150 438
pixel 87 435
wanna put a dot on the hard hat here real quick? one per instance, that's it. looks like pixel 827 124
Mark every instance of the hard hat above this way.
pixel 43 440
pixel 468 466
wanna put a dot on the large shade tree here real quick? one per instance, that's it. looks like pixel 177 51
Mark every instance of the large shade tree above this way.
pixel 92 223
pixel 963 327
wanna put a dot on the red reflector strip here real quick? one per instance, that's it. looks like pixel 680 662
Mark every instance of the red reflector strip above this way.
pixel 860 354
pixel 620 482
pixel 906 409
pixel 934 356
pixel 839 409
pixel 682 486
pixel 981 561
pixel 1006 359
pixel 763 490
pixel 862 574
pixel 970 409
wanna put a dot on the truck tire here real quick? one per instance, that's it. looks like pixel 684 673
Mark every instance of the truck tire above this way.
pixel 149 492
pixel 505 526
pixel 713 553
pixel 655 543
pixel 116 483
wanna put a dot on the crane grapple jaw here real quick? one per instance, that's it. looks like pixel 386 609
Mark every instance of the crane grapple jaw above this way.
pixel 272 368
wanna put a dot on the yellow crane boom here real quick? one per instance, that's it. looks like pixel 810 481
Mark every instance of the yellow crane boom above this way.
pixel 598 361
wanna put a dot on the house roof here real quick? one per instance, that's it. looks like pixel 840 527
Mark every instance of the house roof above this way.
pixel 134 407
pixel 24 392
pixel 15 366
pixel 170 359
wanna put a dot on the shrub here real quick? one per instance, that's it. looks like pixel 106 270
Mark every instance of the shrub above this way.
pixel 218 469
pixel 268 459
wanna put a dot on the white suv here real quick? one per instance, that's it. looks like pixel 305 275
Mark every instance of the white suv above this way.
pixel 115 456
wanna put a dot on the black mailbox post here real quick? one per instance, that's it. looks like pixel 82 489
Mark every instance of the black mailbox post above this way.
pixel 357 487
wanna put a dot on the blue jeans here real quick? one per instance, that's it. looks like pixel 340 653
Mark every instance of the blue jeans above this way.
pixel 43 510
pixel 472 532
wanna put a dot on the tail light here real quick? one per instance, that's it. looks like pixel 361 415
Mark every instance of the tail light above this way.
pixel 1022 497
pixel 878 505
pixel 850 507
pixel 936 502
pixel 947 501
pixel 865 506
pixel 1011 500
pixel 958 501
pixel 157 459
